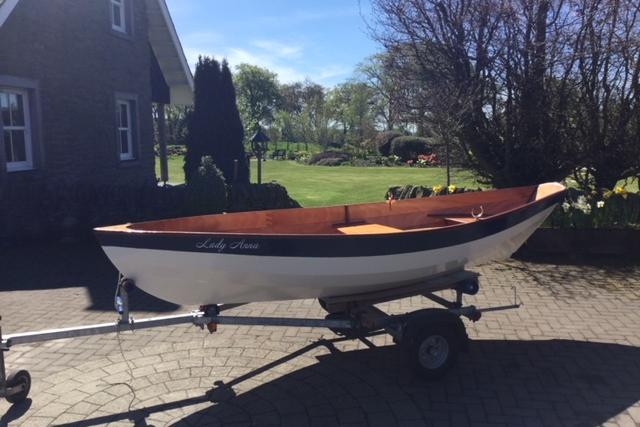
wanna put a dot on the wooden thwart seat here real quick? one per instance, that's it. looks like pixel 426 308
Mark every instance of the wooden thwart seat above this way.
pixel 460 220
pixel 368 229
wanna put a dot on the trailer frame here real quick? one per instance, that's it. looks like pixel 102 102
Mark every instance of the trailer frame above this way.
pixel 354 316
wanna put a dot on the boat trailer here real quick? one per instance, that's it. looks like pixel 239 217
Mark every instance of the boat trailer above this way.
pixel 431 337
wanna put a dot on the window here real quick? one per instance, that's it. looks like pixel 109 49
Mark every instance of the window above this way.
pixel 125 122
pixel 118 16
pixel 16 129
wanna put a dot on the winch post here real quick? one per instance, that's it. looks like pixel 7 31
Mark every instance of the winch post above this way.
pixel 3 372
pixel 123 295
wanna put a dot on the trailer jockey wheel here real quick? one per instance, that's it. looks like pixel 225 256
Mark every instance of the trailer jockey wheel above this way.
pixel 19 379
pixel 433 341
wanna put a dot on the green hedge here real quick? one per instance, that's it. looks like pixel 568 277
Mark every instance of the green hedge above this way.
pixel 337 157
pixel 410 147
pixel 383 141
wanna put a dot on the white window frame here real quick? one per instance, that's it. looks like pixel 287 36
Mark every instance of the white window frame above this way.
pixel 121 5
pixel 130 155
pixel 28 163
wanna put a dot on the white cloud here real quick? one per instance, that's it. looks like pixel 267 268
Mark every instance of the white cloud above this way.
pixel 303 17
pixel 286 60
pixel 282 50
pixel 332 71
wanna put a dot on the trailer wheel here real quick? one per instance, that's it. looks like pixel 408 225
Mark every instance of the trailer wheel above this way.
pixel 433 340
pixel 20 378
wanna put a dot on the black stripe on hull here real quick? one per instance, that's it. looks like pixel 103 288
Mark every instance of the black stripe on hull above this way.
pixel 325 245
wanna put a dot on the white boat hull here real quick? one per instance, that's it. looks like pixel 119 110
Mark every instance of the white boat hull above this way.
pixel 202 278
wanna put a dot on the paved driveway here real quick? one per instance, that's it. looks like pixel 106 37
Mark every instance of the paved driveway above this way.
pixel 570 356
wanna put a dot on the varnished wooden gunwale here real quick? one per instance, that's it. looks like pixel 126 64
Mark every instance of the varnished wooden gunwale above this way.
pixel 404 215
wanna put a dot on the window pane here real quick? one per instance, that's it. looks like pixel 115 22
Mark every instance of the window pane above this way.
pixel 124 142
pixel 116 16
pixel 19 149
pixel 6 135
pixel 124 119
pixel 4 109
pixel 17 109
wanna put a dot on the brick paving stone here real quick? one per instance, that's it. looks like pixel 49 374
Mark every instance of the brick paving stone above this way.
pixel 569 355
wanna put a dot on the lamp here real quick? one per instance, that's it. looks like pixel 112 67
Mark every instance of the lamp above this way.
pixel 259 145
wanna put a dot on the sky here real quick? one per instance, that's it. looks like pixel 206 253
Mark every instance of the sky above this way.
pixel 322 40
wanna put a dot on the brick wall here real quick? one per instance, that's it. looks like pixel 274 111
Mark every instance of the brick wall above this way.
pixel 79 63
pixel 67 47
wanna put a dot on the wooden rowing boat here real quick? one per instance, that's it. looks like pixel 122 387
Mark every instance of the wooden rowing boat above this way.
pixel 322 252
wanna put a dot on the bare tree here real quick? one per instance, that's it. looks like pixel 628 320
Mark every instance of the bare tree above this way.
pixel 531 88
pixel 607 70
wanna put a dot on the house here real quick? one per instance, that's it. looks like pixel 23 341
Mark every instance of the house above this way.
pixel 77 82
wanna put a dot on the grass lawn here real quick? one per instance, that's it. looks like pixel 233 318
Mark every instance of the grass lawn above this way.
pixel 326 185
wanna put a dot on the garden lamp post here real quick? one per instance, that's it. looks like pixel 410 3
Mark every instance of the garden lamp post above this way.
pixel 259 142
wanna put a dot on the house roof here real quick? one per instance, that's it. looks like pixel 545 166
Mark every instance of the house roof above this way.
pixel 165 44
pixel 168 50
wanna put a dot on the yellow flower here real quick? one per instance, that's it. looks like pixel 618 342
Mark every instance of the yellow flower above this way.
pixel 621 191
pixel 607 194
pixel 438 189
pixel 452 189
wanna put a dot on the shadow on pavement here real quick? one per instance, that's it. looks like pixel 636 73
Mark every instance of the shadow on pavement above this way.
pixel 556 382
pixel 15 412
pixel 562 279
pixel 40 266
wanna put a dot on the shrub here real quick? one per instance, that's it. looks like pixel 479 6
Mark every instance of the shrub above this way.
pixel 302 157
pixel 257 197
pixel 393 160
pixel 426 160
pixel 172 150
pixel 72 210
pixel 331 161
pixel 418 191
pixel 383 141
pixel 329 154
pixel 410 147
pixel 206 190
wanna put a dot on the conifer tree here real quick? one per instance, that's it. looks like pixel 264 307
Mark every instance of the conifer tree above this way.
pixel 214 127
pixel 233 130
pixel 203 130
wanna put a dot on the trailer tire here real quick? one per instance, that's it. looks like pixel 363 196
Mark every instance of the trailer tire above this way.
pixel 16 379
pixel 433 339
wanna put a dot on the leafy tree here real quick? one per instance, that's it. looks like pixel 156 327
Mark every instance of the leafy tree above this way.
pixel 285 122
pixel 176 118
pixel 350 108
pixel 291 98
pixel 385 101
pixel 258 94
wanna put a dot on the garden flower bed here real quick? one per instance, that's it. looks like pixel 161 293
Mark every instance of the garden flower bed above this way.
pixel 598 223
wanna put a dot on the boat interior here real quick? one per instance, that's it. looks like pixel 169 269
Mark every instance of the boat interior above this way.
pixel 361 219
